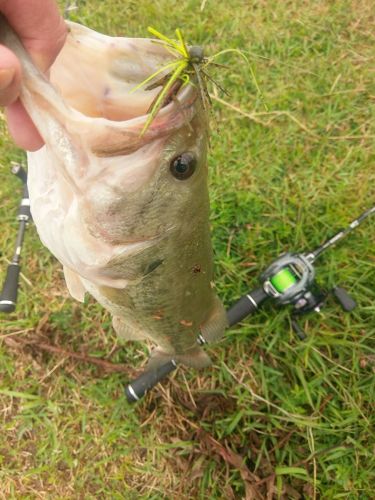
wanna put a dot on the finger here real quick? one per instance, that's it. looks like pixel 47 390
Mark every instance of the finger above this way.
pixel 22 128
pixel 10 76
pixel 39 25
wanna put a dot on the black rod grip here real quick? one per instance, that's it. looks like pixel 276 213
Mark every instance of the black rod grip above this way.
pixel 8 297
pixel 246 305
pixel 147 380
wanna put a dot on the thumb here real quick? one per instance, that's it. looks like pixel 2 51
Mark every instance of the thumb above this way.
pixel 10 76
pixel 40 27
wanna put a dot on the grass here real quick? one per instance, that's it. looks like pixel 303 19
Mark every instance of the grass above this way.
pixel 274 417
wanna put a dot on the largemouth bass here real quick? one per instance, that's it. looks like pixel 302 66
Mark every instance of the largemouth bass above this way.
pixel 127 214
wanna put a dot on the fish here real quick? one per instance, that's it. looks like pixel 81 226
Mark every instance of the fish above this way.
pixel 125 211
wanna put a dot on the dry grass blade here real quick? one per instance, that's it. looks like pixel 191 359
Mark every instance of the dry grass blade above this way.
pixel 106 366
pixel 256 115
pixel 211 445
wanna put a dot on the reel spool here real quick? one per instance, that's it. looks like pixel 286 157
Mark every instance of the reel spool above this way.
pixel 287 278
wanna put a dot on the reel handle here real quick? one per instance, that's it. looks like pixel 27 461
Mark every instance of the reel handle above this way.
pixel 147 380
pixel 8 297
pixel 246 305
pixel 345 300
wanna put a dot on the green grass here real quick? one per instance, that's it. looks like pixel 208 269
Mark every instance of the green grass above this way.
pixel 274 417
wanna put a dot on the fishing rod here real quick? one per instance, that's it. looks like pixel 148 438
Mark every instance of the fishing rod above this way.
pixel 8 296
pixel 288 280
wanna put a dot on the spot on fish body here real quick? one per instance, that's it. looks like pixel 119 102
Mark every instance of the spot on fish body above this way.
pixel 158 315
pixel 186 323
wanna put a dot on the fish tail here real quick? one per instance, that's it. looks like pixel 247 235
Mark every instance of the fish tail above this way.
pixel 214 327
pixel 195 357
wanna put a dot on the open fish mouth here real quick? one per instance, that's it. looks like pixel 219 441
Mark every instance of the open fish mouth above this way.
pixel 106 90
pixel 99 178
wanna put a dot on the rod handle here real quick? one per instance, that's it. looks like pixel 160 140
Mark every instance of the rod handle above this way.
pixel 8 297
pixel 147 380
pixel 246 305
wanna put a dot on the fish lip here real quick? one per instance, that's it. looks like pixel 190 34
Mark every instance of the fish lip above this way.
pixel 186 97
pixel 119 138
pixel 170 118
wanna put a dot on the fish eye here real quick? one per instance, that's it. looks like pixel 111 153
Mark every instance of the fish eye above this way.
pixel 183 166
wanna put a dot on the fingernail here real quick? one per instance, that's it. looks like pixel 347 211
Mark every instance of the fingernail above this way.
pixel 6 77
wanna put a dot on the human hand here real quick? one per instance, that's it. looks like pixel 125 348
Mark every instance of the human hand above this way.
pixel 42 31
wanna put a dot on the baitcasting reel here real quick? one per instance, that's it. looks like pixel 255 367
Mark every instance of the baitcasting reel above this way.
pixel 290 280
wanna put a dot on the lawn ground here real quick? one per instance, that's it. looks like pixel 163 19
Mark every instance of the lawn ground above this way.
pixel 274 417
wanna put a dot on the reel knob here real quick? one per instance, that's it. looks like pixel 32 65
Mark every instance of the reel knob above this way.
pixel 344 299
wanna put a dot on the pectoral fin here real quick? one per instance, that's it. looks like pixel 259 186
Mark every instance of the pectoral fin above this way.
pixel 74 284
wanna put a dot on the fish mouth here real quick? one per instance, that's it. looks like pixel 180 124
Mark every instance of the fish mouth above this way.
pixel 112 89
